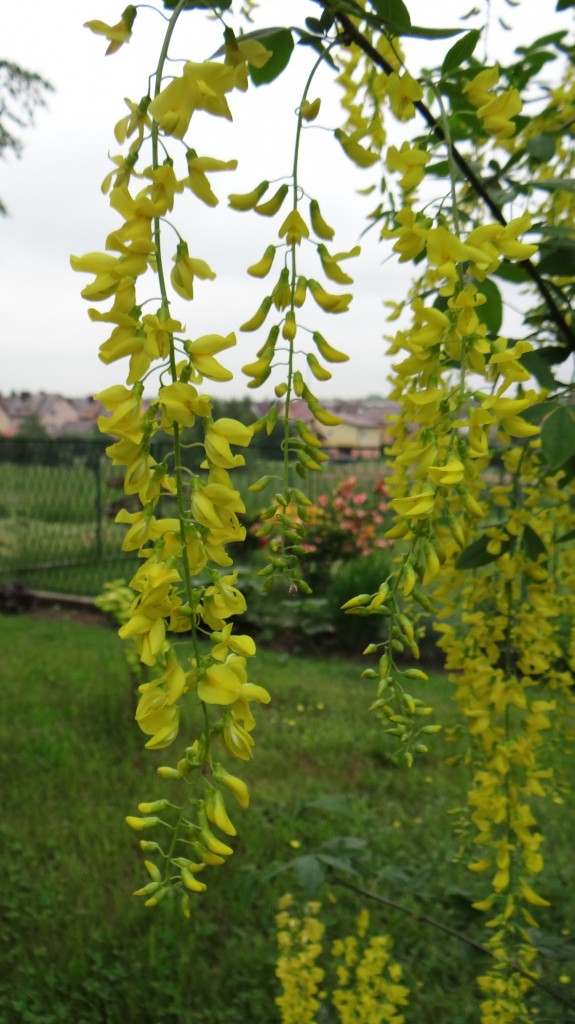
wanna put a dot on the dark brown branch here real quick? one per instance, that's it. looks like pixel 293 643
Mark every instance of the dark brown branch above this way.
pixel 533 978
pixel 354 35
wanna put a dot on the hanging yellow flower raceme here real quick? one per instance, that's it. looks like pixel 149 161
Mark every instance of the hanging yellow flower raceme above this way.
pixel 178 587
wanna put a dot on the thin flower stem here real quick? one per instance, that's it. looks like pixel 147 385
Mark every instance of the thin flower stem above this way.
pixel 291 352
pixel 165 304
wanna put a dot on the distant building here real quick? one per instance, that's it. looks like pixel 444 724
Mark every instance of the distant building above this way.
pixel 361 434
pixel 57 415
pixel 6 425
pixel 364 429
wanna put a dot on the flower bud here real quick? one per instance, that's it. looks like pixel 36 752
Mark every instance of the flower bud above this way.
pixel 247 200
pixel 310 110
pixel 272 206
pixel 139 824
pixel 263 267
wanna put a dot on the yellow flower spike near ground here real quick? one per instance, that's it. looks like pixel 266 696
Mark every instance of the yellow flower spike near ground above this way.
pixel 367 986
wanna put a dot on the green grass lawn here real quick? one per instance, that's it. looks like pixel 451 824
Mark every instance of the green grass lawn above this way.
pixel 77 948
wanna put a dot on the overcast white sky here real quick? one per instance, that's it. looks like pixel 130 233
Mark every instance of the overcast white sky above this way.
pixel 56 207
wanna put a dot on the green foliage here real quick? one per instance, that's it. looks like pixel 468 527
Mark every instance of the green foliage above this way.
pixel 344 522
pixel 360 575
pixel 279 41
pixel 460 51
pixel 558 437
pixel 394 13
pixel 21 93
pixel 221 5
pixel 32 427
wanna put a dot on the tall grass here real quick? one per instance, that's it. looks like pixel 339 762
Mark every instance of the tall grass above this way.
pixel 76 948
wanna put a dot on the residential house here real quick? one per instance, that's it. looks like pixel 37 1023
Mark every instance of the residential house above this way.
pixel 6 424
pixel 361 434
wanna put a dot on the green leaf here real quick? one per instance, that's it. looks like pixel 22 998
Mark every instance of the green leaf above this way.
pixel 418 32
pixel 280 42
pixel 223 5
pixel 337 863
pixel 564 5
pixel 332 803
pixel 513 272
pixel 557 260
pixel 541 147
pixel 394 13
pixel 344 843
pixel 555 185
pixel 554 354
pixel 314 25
pixel 440 168
pixel 491 313
pixel 552 946
pixel 477 554
pixel 555 231
pixel 326 19
pixel 538 412
pixel 558 438
pixel 539 368
pixel 533 544
pixel 309 873
pixel 349 7
pixel 460 51
pixel 570 535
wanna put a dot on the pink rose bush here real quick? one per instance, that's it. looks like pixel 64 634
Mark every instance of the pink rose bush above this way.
pixel 346 523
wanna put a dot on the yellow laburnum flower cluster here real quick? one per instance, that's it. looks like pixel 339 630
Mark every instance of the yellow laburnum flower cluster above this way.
pixel 184 587
pixel 300 945
pixel 441 446
pixel 369 989
pixel 367 985
pixel 496 112
pixel 481 251
pixel 465 393
pixel 513 688
pixel 365 90
pixel 302 227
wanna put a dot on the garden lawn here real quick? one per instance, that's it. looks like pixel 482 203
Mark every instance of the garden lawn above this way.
pixel 77 948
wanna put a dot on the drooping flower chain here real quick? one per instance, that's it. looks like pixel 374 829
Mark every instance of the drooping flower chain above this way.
pixel 179 586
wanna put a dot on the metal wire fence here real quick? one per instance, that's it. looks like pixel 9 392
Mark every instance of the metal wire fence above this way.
pixel 59 499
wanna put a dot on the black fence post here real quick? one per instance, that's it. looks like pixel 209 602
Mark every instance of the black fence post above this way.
pixel 97 467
